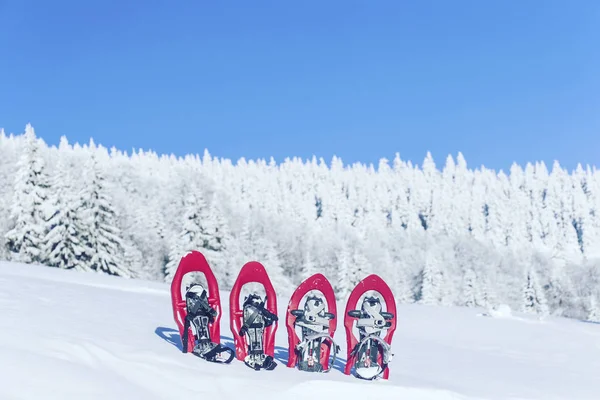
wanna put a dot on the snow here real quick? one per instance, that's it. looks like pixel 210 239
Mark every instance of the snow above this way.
pixel 501 311
pixel 85 335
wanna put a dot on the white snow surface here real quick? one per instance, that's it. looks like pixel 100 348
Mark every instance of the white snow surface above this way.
pixel 74 335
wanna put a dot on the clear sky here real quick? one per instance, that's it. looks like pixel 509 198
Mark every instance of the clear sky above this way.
pixel 501 81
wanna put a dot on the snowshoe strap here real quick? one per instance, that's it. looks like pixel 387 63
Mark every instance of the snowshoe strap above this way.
pixel 376 323
pixel 184 337
pixel 249 321
pixel 312 315
pixel 267 315
pixel 371 319
pixel 387 357
pixel 309 338
pixel 200 314
pixel 314 322
pixel 260 361
pixel 213 354
pixel 198 304
pixel 256 319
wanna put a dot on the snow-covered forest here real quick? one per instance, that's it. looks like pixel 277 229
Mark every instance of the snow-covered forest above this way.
pixel 439 234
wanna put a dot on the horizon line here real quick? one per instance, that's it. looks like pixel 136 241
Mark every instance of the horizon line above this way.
pixel 320 160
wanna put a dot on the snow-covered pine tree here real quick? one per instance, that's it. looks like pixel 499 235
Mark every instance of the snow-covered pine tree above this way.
pixel 193 235
pixel 433 284
pixel 218 243
pixel 245 242
pixel 271 260
pixel 30 200
pixel 399 278
pixel 488 296
pixel 343 284
pixel 471 295
pixel 560 293
pixel 428 184
pixel 10 149
pixel 104 250
pixel 145 243
pixel 478 209
pixel 443 202
pixel 470 260
pixel 307 269
pixel 403 290
pixel 593 314
pixel 63 247
pixel 360 267
pixel 559 198
pixel 534 299
pixel 134 259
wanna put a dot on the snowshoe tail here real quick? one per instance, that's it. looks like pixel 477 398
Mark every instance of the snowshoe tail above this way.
pixel 214 355
pixel 269 363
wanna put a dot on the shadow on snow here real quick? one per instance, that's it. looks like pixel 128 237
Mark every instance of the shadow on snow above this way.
pixel 171 336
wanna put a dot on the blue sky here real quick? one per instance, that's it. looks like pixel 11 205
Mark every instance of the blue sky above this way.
pixel 501 81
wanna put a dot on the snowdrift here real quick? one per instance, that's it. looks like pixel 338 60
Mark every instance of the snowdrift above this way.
pixel 70 335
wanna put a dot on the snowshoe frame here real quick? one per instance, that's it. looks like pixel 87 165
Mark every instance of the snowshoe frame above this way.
pixel 315 282
pixel 194 262
pixel 252 271
pixel 371 283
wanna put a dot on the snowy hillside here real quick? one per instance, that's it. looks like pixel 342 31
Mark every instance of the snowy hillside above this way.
pixel 71 335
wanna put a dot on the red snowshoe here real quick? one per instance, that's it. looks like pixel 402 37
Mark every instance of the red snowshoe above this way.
pixel 254 324
pixel 198 315
pixel 317 319
pixel 370 354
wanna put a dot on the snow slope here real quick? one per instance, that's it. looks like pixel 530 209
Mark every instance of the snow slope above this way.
pixel 70 335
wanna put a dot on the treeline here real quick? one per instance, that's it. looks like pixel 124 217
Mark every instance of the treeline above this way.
pixel 449 236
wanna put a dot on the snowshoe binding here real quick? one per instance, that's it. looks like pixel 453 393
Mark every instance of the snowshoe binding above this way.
pixel 314 321
pixel 371 348
pixel 255 319
pixel 199 315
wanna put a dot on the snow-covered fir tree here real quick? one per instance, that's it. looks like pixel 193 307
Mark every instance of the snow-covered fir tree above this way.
pixel 63 247
pixel 28 212
pixel 218 242
pixel 471 294
pixel 193 233
pixel 399 279
pixel 593 310
pixel 343 279
pixel 271 259
pixel 534 299
pixel 488 297
pixel 308 267
pixel 433 285
pixel 100 235
pixel 560 293
pixel 360 267
pixel 11 150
